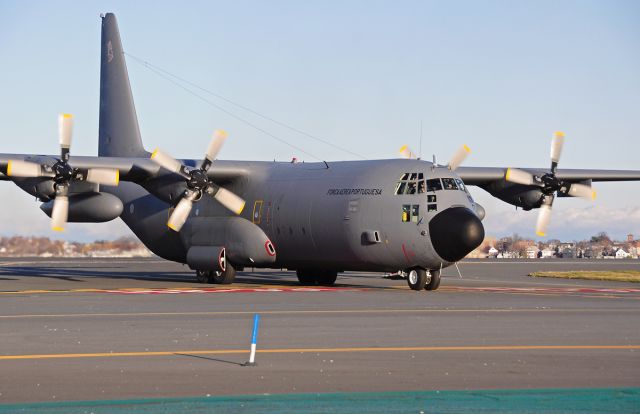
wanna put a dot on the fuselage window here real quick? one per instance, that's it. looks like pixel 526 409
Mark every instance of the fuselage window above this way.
pixel 406 211
pixel 434 184
pixel 431 198
pixel 432 207
pixel 449 184
pixel 411 187
pixel 422 188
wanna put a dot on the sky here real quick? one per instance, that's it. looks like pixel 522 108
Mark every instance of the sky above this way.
pixel 499 76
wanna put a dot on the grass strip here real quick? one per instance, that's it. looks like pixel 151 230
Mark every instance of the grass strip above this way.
pixel 612 275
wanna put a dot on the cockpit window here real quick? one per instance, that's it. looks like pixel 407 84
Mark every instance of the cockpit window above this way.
pixel 410 183
pixel 449 184
pixel 434 184
pixel 461 185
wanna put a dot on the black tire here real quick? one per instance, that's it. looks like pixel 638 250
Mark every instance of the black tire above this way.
pixel 416 278
pixel 326 277
pixel 434 283
pixel 203 276
pixel 306 277
pixel 225 277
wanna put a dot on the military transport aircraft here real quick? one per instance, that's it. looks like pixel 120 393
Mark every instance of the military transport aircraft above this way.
pixel 316 218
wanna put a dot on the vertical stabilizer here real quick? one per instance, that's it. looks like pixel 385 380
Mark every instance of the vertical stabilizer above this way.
pixel 119 133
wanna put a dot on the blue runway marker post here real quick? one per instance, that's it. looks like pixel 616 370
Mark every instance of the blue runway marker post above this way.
pixel 254 341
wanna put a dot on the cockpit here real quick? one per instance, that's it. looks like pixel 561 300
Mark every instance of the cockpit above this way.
pixel 411 183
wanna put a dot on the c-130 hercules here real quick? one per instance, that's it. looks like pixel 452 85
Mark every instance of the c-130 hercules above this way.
pixel 317 218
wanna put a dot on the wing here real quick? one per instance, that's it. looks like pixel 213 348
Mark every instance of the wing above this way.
pixel 484 176
pixel 137 170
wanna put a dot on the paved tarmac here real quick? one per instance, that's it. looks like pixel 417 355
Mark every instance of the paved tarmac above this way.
pixel 82 329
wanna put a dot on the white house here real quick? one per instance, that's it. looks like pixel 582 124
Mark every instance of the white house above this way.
pixel 621 254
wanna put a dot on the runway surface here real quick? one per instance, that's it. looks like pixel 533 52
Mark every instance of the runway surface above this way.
pixel 107 329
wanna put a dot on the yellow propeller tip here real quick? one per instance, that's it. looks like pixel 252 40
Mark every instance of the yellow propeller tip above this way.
pixel 593 195
pixel 57 228
pixel 117 177
pixel 540 234
pixel 155 153
pixel 558 134
pixel 508 174
pixel 220 133
pixel 466 148
pixel 67 116
pixel 9 168
pixel 402 148
pixel 171 226
pixel 240 209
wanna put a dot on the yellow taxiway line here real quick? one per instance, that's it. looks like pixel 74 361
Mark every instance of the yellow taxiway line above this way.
pixel 323 350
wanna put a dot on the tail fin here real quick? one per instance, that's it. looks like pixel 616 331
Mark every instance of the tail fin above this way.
pixel 119 133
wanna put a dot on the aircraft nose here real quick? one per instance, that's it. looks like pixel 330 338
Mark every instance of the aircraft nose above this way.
pixel 455 232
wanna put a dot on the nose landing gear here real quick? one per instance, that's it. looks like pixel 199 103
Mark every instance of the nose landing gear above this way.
pixel 418 279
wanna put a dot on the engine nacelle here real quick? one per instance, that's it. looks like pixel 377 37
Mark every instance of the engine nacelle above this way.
pixel 519 195
pixel 89 207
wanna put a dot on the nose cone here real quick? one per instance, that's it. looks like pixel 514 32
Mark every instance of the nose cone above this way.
pixel 455 232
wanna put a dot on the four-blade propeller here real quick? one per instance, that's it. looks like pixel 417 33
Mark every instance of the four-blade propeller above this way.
pixel 456 160
pixel 197 182
pixel 550 185
pixel 62 173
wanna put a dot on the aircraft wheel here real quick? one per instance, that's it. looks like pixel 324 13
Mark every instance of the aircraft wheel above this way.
pixel 225 277
pixel 203 276
pixel 326 277
pixel 434 282
pixel 306 277
pixel 416 278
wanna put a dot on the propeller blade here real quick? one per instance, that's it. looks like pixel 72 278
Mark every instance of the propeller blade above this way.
pixel 103 176
pixel 166 161
pixel 180 214
pixel 229 200
pixel 517 176
pixel 458 157
pixel 405 152
pixel 582 191
pixel 65 126
pixel 19 168
pixel 60 212
pixel 556 146
pixel 219 136
pixel 544 217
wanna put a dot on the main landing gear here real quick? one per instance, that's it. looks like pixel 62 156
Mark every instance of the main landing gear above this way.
pixel 309 277
pixel 418 279
pixel 222 277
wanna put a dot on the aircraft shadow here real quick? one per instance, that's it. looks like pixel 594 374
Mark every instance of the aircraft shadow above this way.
pixel 83 275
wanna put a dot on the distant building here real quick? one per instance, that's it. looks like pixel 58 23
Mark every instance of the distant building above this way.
pixel 621 254
pixel 630 238
pixel 532 252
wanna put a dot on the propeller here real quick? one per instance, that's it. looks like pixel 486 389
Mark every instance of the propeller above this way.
pixel 550 185
pixel 458 157
pixel 198 182
pixel 62 173
pixel 405 152
pixel 456 160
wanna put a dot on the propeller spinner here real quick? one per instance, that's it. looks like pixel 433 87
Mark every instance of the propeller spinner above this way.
pixel 62 173
pixel 550 185
pixel 198 182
